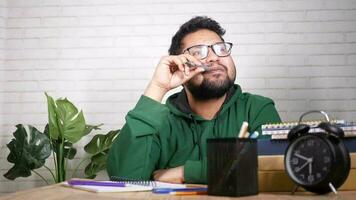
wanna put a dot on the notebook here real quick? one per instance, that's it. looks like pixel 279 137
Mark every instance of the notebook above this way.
pixel 279 131
pixel 129 186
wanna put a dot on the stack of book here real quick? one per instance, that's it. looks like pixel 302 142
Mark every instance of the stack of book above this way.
pixel 281 130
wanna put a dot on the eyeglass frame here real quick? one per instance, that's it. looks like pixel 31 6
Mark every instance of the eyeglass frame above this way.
pixel 211 47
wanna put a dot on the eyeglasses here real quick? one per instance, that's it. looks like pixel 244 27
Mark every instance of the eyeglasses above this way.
pixel 220 49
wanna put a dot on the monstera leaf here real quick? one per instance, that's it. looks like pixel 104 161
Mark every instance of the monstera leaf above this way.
pixel 65 121
pixel 69 150
pixel 99 147
pixel 89 128
pixel 97 163
pixel 28 150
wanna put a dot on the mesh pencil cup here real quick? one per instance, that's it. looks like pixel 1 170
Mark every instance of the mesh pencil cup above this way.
pixel 232 166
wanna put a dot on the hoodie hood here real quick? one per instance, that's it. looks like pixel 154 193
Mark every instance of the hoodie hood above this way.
pixel 178 103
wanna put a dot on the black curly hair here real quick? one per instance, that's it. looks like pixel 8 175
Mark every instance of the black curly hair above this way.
pixel 194 24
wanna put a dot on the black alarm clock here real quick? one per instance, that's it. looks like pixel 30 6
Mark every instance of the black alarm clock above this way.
pixel 317 161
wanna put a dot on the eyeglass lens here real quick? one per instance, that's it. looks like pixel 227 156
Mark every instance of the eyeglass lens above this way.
pixel 201 51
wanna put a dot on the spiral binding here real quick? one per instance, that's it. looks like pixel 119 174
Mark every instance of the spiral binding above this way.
pixel 280 131
pixel 289 125
pixel 132 181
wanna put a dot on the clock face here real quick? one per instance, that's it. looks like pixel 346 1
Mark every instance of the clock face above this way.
pixel 309 160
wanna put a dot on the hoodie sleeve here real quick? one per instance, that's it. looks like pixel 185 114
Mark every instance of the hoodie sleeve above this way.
pixel 135 152
pixel 195 171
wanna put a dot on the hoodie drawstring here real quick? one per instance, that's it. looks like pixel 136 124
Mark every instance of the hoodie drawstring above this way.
pixel 215 127
pixel 197 136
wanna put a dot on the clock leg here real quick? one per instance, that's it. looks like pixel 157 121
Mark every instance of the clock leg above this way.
pixel 295 189
pixel 332 188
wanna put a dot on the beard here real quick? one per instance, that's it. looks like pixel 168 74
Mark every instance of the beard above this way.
pixel 209 89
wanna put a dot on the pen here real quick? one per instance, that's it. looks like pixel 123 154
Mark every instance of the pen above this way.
pixel 191 64
pixel 254 135
pixel 189 193
pixel 170 190
pixel 95 183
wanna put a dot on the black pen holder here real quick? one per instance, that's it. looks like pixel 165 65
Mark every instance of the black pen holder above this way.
pixel 232 168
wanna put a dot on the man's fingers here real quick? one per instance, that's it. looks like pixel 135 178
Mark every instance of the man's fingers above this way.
pixel 194 72
pixel 192 59
pixel 178 62
pixel 157 175
pixel 185 61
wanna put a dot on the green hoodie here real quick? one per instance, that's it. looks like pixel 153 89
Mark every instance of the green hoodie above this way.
pixel 159 136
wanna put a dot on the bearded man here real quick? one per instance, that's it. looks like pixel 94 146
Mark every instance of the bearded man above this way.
pixel 167 142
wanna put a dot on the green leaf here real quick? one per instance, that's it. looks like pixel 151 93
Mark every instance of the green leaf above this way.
pixel 52 118
pixel 98 163
pixel 71 123
pixel 100 142
pixel 89 128
pixel 69 150
pixel 99 147
pixel 28 150
pixel 91 170
pixel 65 121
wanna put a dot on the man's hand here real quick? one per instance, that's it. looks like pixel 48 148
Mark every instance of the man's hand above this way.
pixel 170 73
pixel 172 175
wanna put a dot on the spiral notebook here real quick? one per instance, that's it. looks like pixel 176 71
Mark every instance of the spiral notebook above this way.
pixel 119 186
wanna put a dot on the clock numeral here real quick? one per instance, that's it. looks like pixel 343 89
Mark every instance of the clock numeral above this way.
pixel 310 143
pixel 324 150
pixel 311 178
pixel 317 143
pixel 325 169
pixel 302 176
pixel 318 175
pixel 326 159
pixel 297 169
pixel 295 161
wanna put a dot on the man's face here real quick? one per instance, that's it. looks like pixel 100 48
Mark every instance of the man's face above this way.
pixel 216 81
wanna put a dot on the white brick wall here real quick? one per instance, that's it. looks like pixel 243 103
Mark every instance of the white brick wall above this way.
pixel 3 136
pixel 2 41
pixel 101 55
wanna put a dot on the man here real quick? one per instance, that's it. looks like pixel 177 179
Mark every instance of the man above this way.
pixel 168 142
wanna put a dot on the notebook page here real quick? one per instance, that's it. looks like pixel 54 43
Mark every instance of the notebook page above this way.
pixel 168 185
pixel 127 188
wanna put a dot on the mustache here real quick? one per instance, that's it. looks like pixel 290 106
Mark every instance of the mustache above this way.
pixel 217 66
pixel 208 67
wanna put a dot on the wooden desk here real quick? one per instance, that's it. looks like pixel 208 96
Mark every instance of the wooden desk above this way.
pixel 55 192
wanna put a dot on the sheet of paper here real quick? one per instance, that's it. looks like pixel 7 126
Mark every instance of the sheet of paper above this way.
pixel 127 188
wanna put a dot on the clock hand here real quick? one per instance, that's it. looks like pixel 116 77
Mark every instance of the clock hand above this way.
pixel 301 167
pixel 310 161
pixel 300 156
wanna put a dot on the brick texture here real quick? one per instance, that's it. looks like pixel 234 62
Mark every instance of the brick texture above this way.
pixel 101 55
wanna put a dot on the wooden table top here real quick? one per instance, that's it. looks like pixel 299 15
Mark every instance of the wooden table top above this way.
pixel 58 192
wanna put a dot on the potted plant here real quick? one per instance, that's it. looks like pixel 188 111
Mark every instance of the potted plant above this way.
pixel 30 148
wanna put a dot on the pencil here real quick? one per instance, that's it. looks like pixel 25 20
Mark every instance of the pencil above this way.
pixel 243 130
